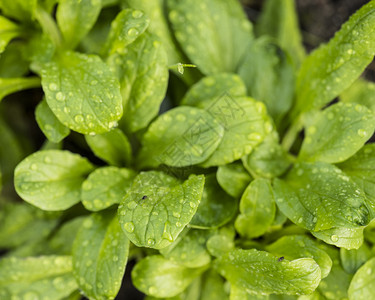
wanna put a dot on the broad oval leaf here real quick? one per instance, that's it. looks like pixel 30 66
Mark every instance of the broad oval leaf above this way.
pixel 216 208
pixel 49 124
pixel 337 133
pixel 257 207
pixel 352 260
pixel 319 196
pixel 105 186
pixel 214 34
pixel 181 137
pixel 51 179
pixel 363 283
pixel 260 272
pixel 37 277
pixel 113 147
pixel 158 207
pixel 100 254
pixel 82 92
pixel 298 246
pixel 159 277
pixel 333 67
pixel 348 238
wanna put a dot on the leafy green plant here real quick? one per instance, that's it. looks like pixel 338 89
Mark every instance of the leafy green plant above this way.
pixel 182 137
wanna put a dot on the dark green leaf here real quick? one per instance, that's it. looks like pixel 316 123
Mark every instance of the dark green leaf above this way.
pixel 12 85
pixel 213 286
pixel 12 62
pixel 352 260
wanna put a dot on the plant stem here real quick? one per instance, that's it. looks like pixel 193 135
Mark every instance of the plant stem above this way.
pixel 291 135
pixel 49 26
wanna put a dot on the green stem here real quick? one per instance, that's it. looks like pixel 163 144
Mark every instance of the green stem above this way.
pixel 292 133
pixel 49 26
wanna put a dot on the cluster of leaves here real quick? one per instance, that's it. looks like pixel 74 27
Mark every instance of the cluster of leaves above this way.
pixel 247 182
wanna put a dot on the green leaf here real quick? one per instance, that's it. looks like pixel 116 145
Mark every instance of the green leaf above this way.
pixel 213 286
pixel 257 209
pixel 158 207
pixel 100 254
pixel 363 283
pixel 268 160
pixel 233 179
pixel 82 92
pixel 12 62
pixel 159 277
pixel 105 186
pixel 214 34
pixel 319 196
pixel 333 67
pixel 113 147
pixel 348 238
pixel 8 31
pixel 362 92
pixel 49 124
pixel 39 50
pixel 143 74
pixel 182 136
pixel 299 246
pixel 352 260
pixel 12 85
pixel 360 168
pixel 22 10
pixel 51 179
pixel 337 133
pixel 222 242
pixel 279 20
pixel 260 272
pixel 189 249
pixel 216 208
pixel 269 77
pixel 76 18
pixel 128 25
pixel 37 277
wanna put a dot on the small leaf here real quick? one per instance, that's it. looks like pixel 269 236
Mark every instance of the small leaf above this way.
pixel 222 242
pixel 12 62
pixel 337 133
pixel 143 74
pixel 100 254
pixel 214 34
pixel 352 260
pixel 159 277
pixel 9 86
pixel 213 286
pixel 49 124
pixel 76 18
pixel 8 31
pixel 82 92
pixel 216 208
pixel 158 207
pixel 22 10
pixel 37 277
pixel 260 272
pixel 319 196
pixel 112 147
pixel 299 246
pixel 182 136
pixel 257 207
pixel 105 187
pixel 363 283
pixel 233 179
pixel 333 67
pixel 128 25
pixel 51 179
pixel 362 92
pixel 348 238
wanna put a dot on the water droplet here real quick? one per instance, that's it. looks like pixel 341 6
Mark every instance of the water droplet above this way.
pixel 150 242
pixel 176 214
pixel 93 82
pixel 300 220
pixel 137 14
pixel 114 242
pixel 132 32
pixel 52 86
pixel 255 136
pixel 131 205
pixel 115 258
pixel 129 227
pixel 30 296
pixel 334 238
pixel 152 290
pixel 47 159
pixel 88 223
pixel 178 224
pixel 34 167
pixel 311 130
pixel 192 204
pixel 362 132
pixel 66 109
pixel 89 263
pixel 79 118
pixel 60 96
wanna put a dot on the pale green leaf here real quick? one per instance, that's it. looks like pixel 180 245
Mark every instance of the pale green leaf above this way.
pixel 158 207
pixel 333 67
pixel 12 85
pixel 112 147
pixel 51 179
pixel 337 133
pixel 82 92
pixel 159 277
pixel 8 31
pixel 49 124
pixel 363 283
pixel 352 260
pixel 22 10
pixel 214 34
pixel 298 246
pixel 260 272
pixel 183 136
pixel 216 208
pixel 128 25
pixel 37 277
pixel 221 243
pixel 257 209
pixel 319 196
pixel 233 179
pixel 76 18
pixel 105 186
pixel 362 92
pixel 348 238
pixel 143 74
pixel 100 254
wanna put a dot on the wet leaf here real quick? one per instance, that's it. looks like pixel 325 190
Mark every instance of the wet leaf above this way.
pixel 362 92
pixel 363 283
pixel 348 238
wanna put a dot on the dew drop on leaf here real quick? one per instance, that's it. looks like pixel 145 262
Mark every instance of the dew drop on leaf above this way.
pixel 129 227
